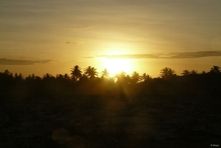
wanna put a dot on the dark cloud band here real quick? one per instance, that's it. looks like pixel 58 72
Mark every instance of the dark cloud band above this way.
pixel 180 55
pixel 5 61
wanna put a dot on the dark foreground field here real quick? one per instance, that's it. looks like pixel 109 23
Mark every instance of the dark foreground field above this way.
pixel 58 112
pixel 106 121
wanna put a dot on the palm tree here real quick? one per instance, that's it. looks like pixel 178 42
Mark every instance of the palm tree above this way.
pixel 91 72
pixel 18 77
pixel 6 72
pixel 167 72
pixel 193 72
pixel 121 77
pixel 135 77
pixel 66 76
pixel 76 73
pixel 105 73
pixel 186 73
pixel 59 76
pixel 48 76
pixel 215 69
pixel 145 77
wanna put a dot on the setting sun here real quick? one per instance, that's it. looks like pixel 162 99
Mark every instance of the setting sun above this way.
pixel 115 65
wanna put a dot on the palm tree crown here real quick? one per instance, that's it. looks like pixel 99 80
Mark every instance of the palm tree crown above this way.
pixel 91 72
pixel 186 73
pixel 76 73
pixel 167 72
pixel 215 69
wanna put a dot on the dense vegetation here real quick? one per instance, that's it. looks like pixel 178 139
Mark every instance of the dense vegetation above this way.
pixel 88 109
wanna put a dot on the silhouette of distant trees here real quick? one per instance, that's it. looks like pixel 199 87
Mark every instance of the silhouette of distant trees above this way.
pixel 215 70
pixel 186 73
pixel 48 77
pixel 123 78
pixel 167 72
pixel 79 81
pixel 18 77
pixel 135 78
pixel 6 78
pixel 90 73
pixel 145 77
pixel 193 72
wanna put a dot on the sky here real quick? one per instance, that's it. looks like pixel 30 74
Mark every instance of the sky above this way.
pixel 46 36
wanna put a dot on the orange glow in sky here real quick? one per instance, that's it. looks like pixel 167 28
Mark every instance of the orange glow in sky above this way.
pixel 115 66
pixel 53 36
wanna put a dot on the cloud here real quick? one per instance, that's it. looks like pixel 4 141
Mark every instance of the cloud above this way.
pixel 199 54
pixel 72 42
pixel 130 56
pixel 176 55
pixel 5 61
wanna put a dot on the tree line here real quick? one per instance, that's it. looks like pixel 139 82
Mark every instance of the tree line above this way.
pixel 91 73
pixel 89 81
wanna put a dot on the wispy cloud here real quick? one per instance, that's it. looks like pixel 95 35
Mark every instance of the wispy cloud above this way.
pixel 5 61
pixel 130 56
pixel 176 55
pixel 199 54
pixel 73 43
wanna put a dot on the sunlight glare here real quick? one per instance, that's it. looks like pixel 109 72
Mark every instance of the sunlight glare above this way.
pixel 115 66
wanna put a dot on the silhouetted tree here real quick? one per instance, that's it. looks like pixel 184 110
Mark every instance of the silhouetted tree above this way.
pixel 66 76
pixel 120 76
pixel 215 70
pixel 186 73
pixel 6 78
pixel 91 72
pixel 135 78
pixel 48 76
pixel 203 73
pixel 7 75
pixel 167 72
pixel 6 72
pixel 31 77
pixel 144 77
pixel 123 78
pixel 76 73
pixel 61 78
pixel 193 72
pixel 104 73
pixel 18 77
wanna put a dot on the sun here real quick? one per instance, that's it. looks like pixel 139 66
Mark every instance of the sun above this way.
pixel 114 60
pixel 117 65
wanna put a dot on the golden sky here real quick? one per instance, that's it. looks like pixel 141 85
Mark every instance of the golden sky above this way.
pixel 45 36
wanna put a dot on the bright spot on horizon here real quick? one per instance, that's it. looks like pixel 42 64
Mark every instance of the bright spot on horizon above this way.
pixel 116 65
